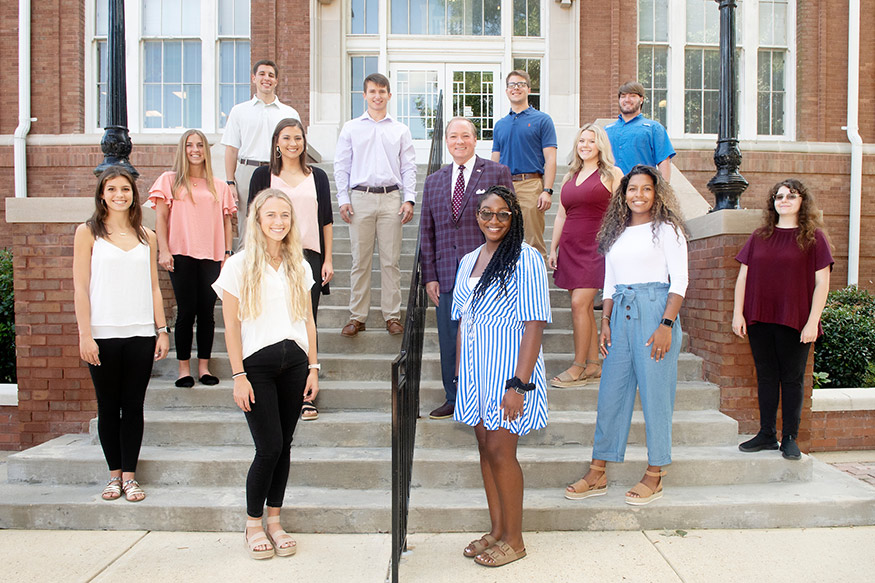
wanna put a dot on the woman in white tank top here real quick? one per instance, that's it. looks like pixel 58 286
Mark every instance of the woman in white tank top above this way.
pixel 118 307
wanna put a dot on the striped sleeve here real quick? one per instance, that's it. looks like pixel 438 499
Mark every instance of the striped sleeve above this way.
pixel 533 293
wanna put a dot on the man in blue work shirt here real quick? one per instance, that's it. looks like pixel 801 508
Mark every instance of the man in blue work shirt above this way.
pixel 636 139
pixel 525 141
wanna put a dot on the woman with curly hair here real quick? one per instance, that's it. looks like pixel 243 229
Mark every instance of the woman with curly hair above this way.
pixel 271 341
pixel 780 293
pixel 502 301
pixel 643 238
pixel 574 257
pixel 193 224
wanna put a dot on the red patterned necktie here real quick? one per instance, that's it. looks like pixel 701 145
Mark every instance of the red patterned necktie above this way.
pixel 459 193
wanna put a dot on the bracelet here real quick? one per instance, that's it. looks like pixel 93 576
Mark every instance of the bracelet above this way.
pixel 608 318
pixel 238 374
pixel 315 365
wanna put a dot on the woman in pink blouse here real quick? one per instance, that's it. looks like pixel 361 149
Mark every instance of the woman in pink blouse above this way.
pixel 194 238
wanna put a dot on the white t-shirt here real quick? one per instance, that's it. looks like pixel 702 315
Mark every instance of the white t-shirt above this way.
pixel 636 258
pixel 274 323
pixel 250 126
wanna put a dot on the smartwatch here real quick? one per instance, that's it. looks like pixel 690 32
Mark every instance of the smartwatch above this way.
pixel 667 322
pixel 230 183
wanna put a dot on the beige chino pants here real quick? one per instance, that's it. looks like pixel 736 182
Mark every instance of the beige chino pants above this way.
pixel 527 192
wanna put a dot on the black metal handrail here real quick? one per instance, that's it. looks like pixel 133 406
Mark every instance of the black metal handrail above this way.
pixel 406 373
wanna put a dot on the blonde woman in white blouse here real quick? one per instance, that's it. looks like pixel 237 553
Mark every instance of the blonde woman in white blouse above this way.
pixel 271 341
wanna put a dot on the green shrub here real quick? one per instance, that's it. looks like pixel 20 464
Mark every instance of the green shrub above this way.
pixel 7 319
pixel 847 348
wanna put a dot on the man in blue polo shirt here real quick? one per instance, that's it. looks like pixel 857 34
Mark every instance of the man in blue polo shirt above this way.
pixel 525 141
pixel 636 139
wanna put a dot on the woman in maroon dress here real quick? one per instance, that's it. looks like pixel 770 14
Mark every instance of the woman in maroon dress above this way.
pixel 779 296
pixel 574 257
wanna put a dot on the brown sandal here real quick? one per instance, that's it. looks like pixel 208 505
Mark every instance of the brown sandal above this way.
pixel 600 487
pixel 644 494
pixel 499 555
pixel 475 547
pixel 566 379
pixel 598 374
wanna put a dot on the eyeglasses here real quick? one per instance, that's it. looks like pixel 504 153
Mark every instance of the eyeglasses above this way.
pixel 486 216
pixel 517 84
pixel 790 196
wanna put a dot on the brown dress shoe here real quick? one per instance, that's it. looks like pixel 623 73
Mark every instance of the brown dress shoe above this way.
pixel 445 411
pixel 394 327
pixel 353 328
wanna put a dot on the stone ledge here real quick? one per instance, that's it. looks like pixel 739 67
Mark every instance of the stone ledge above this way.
pixel 843 399
pixel 59 210
pixel 8 395
pixel 725 222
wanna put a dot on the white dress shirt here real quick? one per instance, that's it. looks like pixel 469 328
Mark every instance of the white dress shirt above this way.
pixel 375 153
pixel 251 124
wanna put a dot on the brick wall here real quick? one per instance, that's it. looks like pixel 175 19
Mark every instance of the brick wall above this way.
pixel 9 428
pixel 842 430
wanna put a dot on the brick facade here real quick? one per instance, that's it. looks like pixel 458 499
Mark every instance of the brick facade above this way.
pixel 842 430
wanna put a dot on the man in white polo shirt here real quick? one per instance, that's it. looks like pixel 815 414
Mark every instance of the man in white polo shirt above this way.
pixel 248 132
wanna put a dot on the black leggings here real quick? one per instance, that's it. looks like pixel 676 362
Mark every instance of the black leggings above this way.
pixel 192 280
pixel 120 383
pixel 780 362
pixel 278 374
pixel 314 260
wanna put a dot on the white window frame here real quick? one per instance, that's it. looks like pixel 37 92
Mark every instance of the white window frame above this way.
pixel 134 67
pixel 747 17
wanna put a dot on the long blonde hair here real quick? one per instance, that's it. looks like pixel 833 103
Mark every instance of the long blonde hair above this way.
pixel 605 156
pixel 257 260
pixel 181 167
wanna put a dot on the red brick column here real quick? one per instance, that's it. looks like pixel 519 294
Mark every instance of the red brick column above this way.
pixel 715 240
pixel 55 394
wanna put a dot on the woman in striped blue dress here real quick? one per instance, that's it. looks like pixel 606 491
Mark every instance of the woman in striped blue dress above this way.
pixel 502 301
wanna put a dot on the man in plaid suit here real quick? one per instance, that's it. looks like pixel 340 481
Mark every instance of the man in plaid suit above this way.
pixel 449 230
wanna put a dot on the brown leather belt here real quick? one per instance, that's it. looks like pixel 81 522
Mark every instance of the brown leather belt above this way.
pixel 521 177
pixel 253 162
pixel 376 189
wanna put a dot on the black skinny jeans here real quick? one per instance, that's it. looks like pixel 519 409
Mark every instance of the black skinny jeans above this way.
pixel 780 362
pixel 314 260
pixel 120 383
pixel 278 375
pixel 192 280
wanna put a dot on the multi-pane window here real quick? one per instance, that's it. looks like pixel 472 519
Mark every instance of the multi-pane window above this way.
pixel 360 67
pixel 417 93
pixel 771 71
pixel 101 78
pixel 364 16
pixel 171 64
pixel 473 98
pixel 527 17
pixel 702 67
pixel 446 17
pixel 653 57
pixel 533 68
pixel 233 61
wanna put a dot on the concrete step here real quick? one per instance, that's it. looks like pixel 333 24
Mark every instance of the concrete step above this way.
pixel 73 459
pixel 189 508
pixel 831 498
pixel 209 427
pixel 376 396
pixel 367 366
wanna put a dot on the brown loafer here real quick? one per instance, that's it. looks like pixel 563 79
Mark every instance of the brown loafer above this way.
pixel 394 327
pixel 353 328
pixel 445 411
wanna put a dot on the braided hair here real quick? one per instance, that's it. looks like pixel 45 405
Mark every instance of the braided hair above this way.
pixel 504 260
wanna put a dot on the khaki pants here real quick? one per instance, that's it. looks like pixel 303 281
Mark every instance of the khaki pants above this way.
pixel 375 219
pixel 242 176
pixel 527 192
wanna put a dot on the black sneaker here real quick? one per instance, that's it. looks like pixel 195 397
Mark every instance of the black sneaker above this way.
pixel 759 442
pixel 789 449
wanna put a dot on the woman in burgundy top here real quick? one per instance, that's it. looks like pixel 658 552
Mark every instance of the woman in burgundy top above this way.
pixel 779 295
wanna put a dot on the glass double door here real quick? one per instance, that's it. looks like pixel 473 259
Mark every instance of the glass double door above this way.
pixel 470 90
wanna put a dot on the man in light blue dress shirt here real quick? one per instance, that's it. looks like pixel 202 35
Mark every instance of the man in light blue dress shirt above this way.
pixel 375 173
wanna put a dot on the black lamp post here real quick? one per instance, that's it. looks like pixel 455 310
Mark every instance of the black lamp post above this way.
pixel 727 185
pixel 116 144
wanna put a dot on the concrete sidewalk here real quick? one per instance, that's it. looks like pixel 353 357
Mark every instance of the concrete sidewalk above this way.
pixel 725 556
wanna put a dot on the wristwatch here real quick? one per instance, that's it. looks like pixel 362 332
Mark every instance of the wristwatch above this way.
pixel 518 386
pixel 230 183
pixel 165 329
pixel 549 191
pixel 667 322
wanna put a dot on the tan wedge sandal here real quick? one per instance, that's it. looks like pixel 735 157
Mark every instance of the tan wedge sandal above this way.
pixel 566 379
pixel 598 374
pixel 644 494
pixel 582 489
pixel 257 540
pixel 280 538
